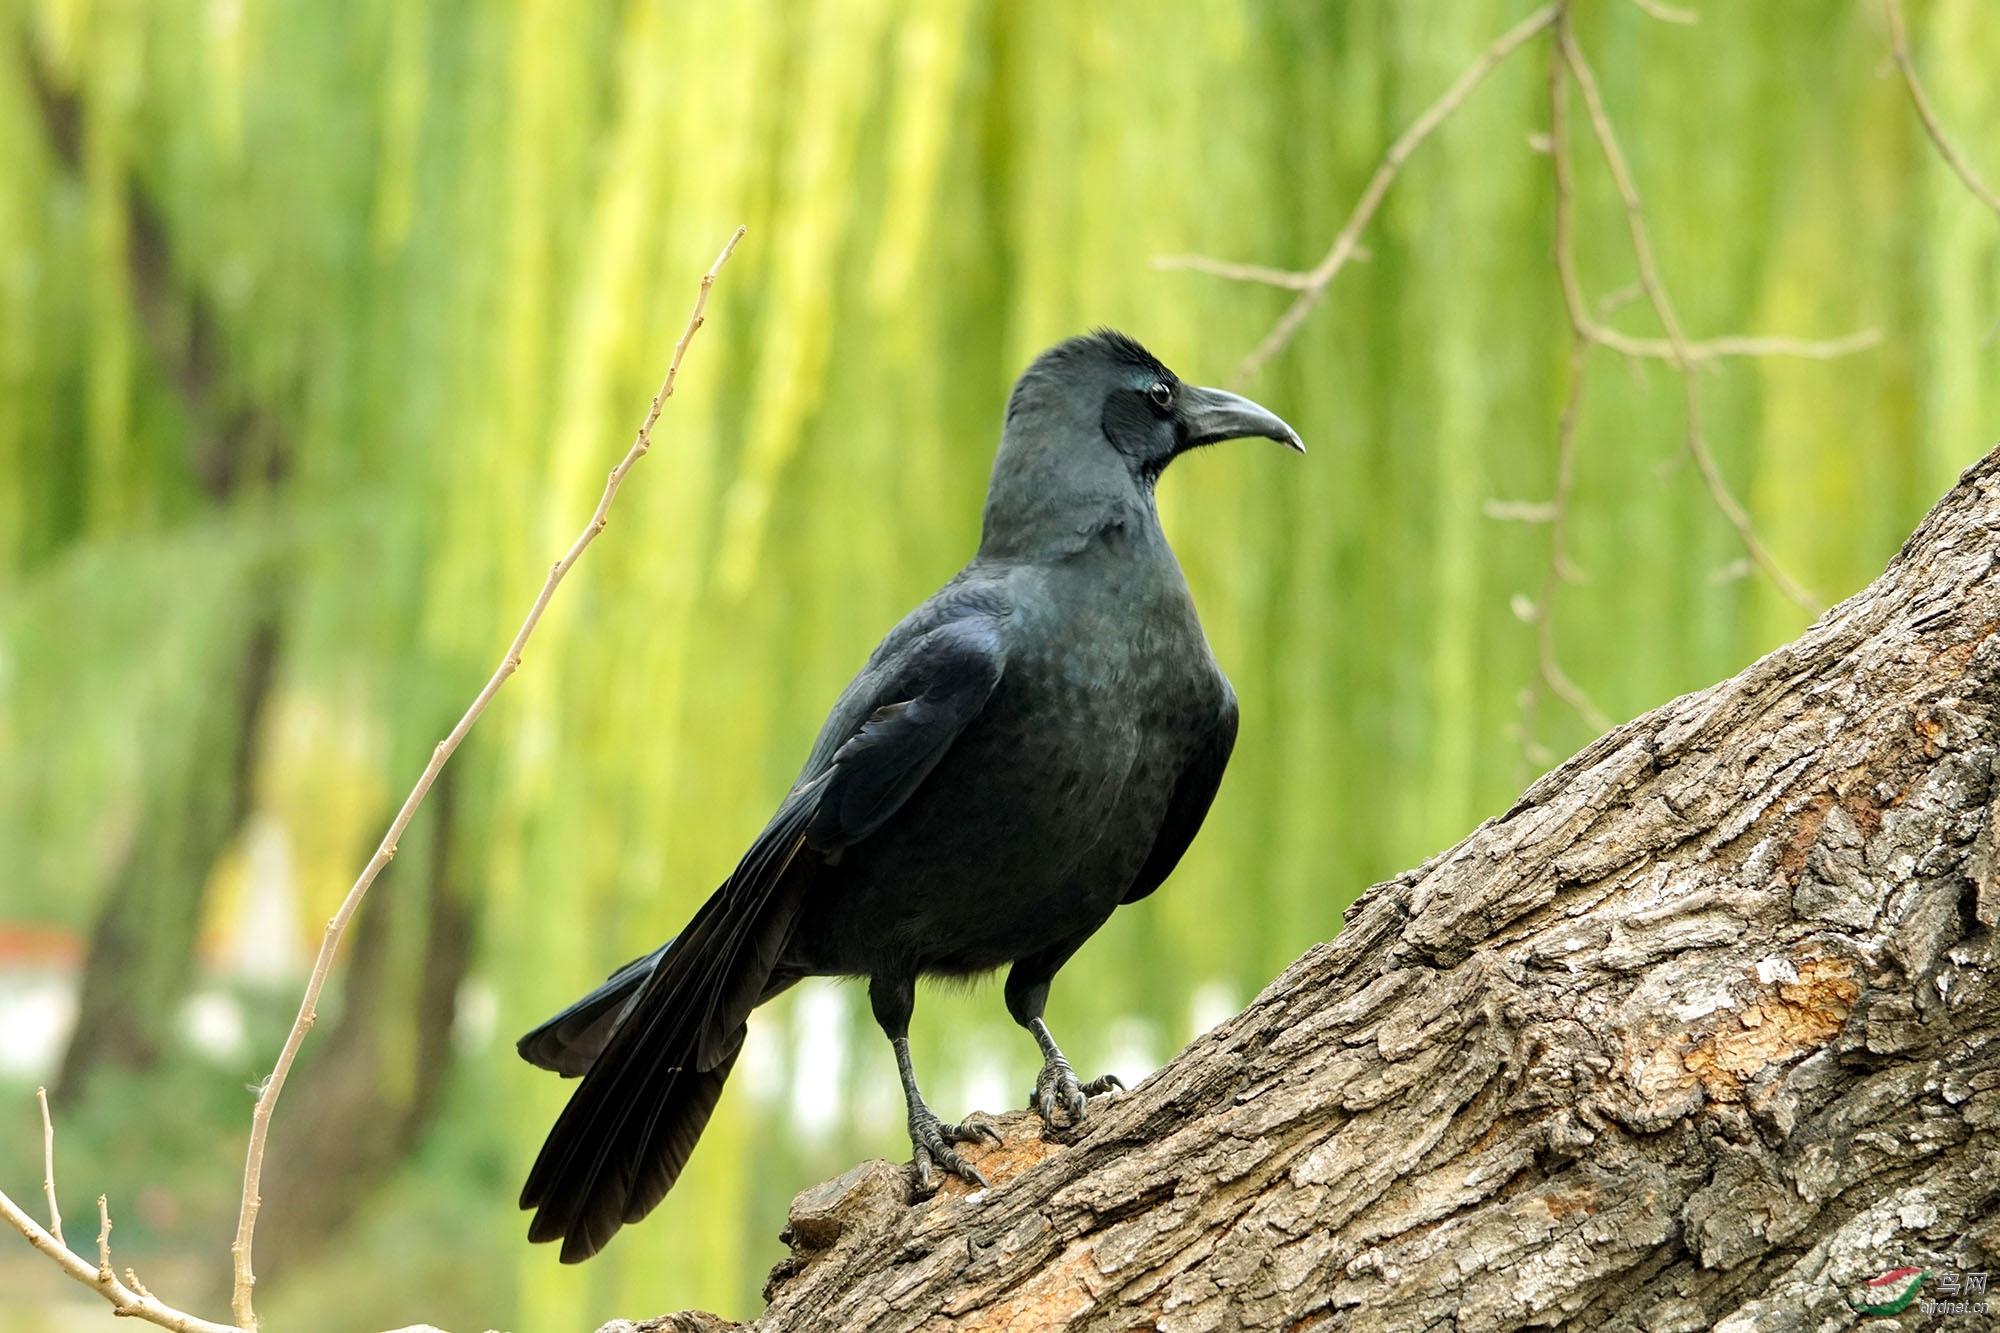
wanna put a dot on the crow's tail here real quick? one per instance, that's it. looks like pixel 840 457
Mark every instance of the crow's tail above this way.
pixel 571 1041
pixel 665 1051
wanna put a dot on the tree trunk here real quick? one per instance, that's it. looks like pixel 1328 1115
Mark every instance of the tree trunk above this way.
pixel 1702 1033
pixel 197 792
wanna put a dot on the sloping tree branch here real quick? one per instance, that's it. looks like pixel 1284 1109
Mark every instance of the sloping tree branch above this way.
pixel 1701 1032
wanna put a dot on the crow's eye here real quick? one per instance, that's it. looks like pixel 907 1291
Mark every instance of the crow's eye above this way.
pixel 1162 394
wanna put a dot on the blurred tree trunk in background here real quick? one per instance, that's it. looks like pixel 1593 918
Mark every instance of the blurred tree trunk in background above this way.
pixel 200 771
pixel 141 961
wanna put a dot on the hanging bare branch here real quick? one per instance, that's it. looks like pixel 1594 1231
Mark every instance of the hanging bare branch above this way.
pixel 1656 295
pixel 1708 352
pixel 1589 330
pixel 1668 13
pixel 1291 279
pixel 1312 285
pixel 1900 46
pixel 1685 355
pixel 1549 675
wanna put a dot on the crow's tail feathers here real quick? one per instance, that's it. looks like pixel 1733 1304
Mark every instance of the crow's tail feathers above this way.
pixel 664 1050
pixel 570 1042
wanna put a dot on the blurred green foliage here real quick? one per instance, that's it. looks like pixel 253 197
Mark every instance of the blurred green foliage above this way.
pixel 359 302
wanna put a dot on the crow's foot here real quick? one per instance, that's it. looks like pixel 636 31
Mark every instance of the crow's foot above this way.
pixel 930 1148
pixel 1057 1085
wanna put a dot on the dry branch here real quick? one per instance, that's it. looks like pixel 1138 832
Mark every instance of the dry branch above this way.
pixel 49 1166
pixel 124 1299
pixel 1899 44
pixel 1668 13
pixel 1656 295
pixel 1685 355
pixel 1548 669
pixel 134 1300
pixel 1549 674
pixel 245 1278
pixel 1701 1033
pixel 1312 285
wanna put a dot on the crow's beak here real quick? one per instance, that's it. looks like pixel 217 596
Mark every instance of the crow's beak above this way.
pixel 1214 415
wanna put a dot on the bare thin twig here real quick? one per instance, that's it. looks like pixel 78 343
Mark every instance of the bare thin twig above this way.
pixel 245 1277
pixel 1668 13
pixel 103 1239
pixel 1291 279
pixel 1706 352
pixel 1313 284
pixel 133 1300
pixel 1711 350
pixel 1900 46
pixel 1520 511
pixel 49 1166
pixel 1549 674
pixel 1656 295
pixel 1559 568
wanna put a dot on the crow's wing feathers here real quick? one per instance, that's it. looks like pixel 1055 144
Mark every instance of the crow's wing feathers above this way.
pixel 1188 806
pixel 933 691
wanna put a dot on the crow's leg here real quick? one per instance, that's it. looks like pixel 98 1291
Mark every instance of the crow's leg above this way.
pixel 930 1138
pixel 1027 996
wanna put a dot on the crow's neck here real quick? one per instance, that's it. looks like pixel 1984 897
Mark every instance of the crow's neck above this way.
pixel 1046 527
pixel 1051 498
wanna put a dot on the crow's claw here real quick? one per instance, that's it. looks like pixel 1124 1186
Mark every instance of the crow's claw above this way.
pixel 1057 1085
pixel 930 1148
pixel 1102 1084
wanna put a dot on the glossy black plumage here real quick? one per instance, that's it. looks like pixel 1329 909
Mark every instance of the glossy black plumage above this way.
pixel 1034 745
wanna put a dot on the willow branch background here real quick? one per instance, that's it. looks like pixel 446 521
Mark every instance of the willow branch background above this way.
pixel 314 325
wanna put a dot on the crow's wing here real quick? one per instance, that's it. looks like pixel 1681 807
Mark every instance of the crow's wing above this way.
pixel 628 1129
pixel 1188 805
pixel 942 685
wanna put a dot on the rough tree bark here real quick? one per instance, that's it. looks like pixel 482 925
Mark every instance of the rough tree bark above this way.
pixel 1701 1033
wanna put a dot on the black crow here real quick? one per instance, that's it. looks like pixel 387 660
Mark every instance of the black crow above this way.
pixel 1028 750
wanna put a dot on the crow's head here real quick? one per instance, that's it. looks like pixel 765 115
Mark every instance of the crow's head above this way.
pixel 1105 388
pixel 1091 425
